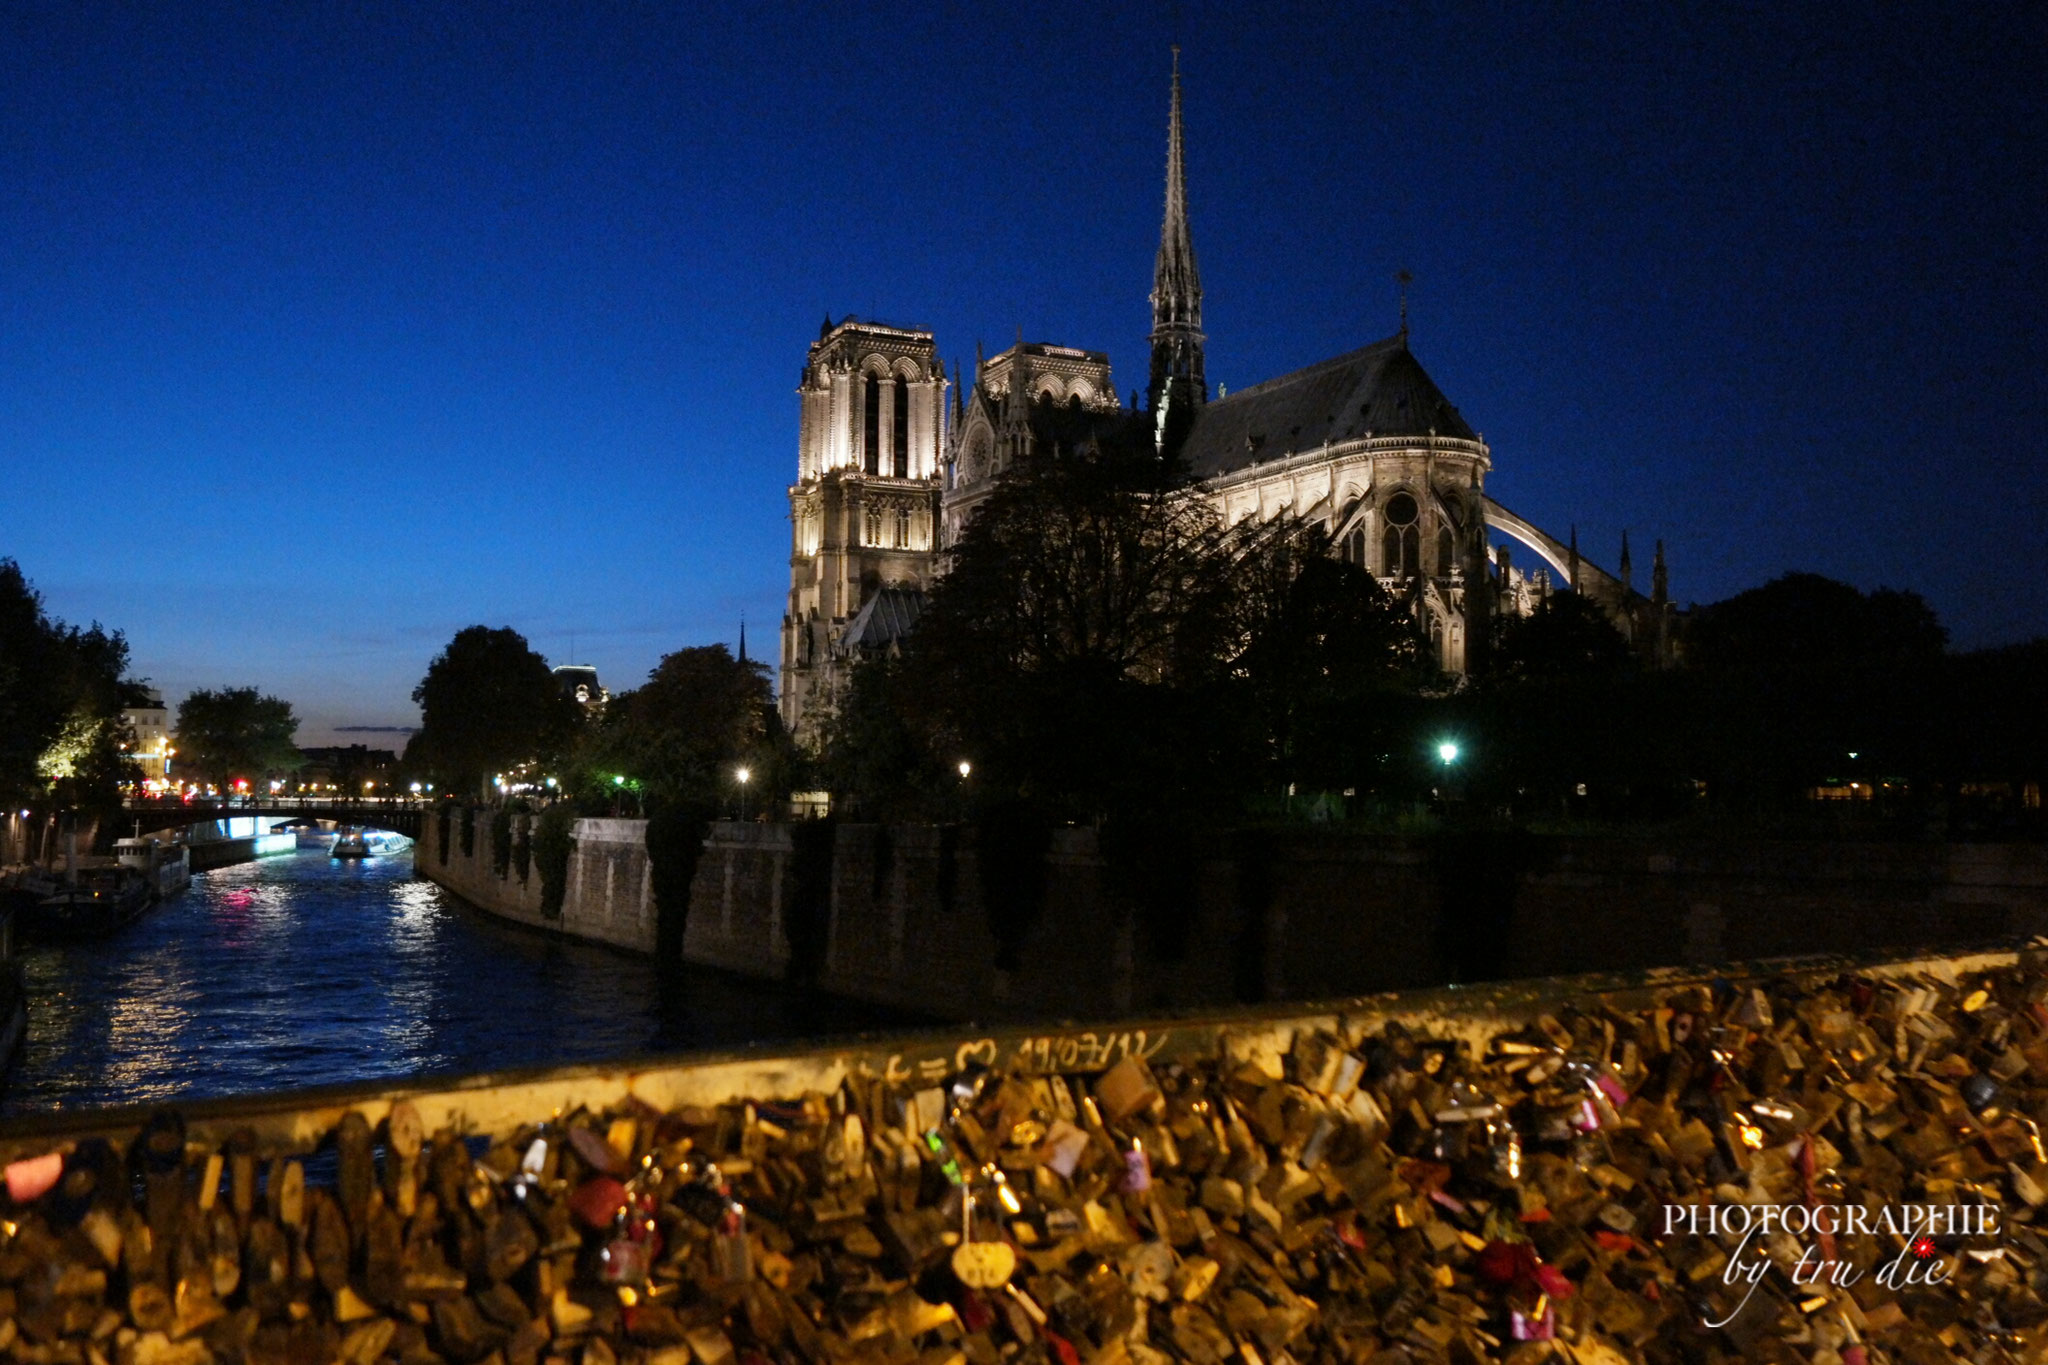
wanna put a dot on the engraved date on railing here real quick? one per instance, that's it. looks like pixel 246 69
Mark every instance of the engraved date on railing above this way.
pixel 1085 1051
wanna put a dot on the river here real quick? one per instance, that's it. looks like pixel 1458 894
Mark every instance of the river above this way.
pixel 299 970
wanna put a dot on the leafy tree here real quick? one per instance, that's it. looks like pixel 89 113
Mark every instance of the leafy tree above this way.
pixel 1995 726
pixel 1791 678
pixel 1564 706
pixel 488 703
pixel 1103 644
pixel 1567 639
pixel 236 732
pixel 681 735
pixel 60 703
pixel 1087 607
pixel 1324 650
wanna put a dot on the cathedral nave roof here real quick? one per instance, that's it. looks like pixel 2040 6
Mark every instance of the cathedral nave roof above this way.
pixel 1379 389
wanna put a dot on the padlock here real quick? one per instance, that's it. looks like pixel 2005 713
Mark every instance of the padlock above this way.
pixel 732 1258
pixel 1137 1168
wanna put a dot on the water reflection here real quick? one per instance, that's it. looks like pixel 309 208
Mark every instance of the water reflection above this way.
pixel 302 970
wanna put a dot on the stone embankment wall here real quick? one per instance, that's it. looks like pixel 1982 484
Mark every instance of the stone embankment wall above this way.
pixel 898 915
pixel 39 839
pixel 607 896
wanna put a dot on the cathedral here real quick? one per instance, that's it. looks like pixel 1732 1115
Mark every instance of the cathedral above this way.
pixel 888 473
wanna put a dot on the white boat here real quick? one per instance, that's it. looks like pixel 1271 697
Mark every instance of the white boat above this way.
pixel 166 863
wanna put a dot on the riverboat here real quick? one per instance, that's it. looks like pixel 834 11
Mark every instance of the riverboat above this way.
pixel 165 863
pixel 351 843
pixel 100 901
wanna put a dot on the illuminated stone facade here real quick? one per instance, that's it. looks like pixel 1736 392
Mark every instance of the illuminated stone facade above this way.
pixel 1364 444
pixel 863 513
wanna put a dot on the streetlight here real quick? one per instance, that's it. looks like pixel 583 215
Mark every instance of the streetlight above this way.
pixel 965 768
pixel 743 774
pixel 1448 752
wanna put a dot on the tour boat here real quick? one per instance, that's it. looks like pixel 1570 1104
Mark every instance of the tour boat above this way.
pixel 350 843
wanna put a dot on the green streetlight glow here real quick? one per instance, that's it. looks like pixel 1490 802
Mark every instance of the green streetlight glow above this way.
pixel 1448 752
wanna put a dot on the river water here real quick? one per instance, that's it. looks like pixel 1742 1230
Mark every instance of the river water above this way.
pixel 299 970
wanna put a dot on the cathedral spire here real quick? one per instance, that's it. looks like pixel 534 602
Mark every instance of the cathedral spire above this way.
pixel 743 637
pixel 1176 283
pixel 1625 585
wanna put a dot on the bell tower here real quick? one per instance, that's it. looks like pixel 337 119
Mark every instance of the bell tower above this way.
pixel 863 512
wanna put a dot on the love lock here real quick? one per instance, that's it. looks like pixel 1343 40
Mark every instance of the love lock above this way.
pixel 984 1265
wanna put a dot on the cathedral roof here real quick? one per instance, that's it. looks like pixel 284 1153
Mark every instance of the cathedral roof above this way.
pixel 883 619
pixel 1379 390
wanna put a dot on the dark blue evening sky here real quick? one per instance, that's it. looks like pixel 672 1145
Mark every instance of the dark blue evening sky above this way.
pixel 328 330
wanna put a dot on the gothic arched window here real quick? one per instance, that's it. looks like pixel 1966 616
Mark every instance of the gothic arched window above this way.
pixel 1401 546
pixel 1354 548
pixel 902 432
pixel 871 448
pixel 874 524
pixel 902 523
pixel 1446 560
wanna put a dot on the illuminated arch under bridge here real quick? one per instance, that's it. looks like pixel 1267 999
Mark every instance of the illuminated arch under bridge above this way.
pixel 400 817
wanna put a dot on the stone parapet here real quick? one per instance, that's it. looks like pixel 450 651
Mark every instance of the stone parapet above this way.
pixel 899 915
pixel 607 898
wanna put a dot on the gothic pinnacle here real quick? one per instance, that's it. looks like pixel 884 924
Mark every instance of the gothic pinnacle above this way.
pixel 1176 280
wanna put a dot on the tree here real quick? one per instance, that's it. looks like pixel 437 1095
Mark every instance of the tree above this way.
pixel 1103 644
pixel 1323 651
pixel 1567 639
pixel 60 703
pixel 235 733
pixel 683 733
pixel 1064 653
pixel 488 703
pixel 1568 720
pixel 1792 678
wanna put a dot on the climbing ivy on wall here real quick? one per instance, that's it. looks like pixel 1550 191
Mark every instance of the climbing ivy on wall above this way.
pixel 501 841
pixel 553 841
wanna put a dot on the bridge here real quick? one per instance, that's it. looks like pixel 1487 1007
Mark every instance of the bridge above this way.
pixel 397 815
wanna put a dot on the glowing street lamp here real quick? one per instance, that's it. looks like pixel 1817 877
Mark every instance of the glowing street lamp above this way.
pixel 743 774
pixel 965 768
pixel 1448 753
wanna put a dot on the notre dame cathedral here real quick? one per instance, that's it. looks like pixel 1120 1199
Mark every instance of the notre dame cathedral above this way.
pixel 1365 443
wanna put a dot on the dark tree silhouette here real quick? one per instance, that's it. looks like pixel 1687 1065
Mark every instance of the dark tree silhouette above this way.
pixel 488 703
pixel 60 703
pixel 235 733
pixel 684 732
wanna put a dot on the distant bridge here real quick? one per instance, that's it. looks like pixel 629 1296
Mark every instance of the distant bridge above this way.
pixel 400 817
